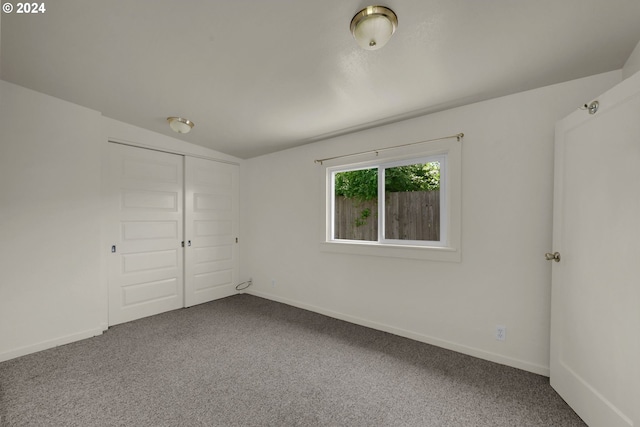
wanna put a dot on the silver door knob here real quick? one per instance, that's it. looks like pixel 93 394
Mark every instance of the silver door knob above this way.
pixel 552 256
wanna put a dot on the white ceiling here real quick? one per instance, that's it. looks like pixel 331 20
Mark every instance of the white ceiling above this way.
pixel 257 76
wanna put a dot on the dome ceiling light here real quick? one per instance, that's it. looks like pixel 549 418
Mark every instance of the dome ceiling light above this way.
pixel 373 26
pixel 180 125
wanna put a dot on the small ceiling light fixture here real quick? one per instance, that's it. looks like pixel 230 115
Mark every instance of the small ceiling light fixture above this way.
pixel 180 125
pixel 373 26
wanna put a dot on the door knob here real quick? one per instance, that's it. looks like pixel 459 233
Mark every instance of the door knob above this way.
pixel 552 256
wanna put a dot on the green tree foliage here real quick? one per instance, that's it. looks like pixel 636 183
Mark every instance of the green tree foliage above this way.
pixel 363 184
pixel 419 177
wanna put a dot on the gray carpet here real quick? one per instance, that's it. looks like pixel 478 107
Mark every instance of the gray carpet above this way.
pixel 246 361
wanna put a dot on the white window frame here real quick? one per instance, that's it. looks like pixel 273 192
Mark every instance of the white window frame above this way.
pixel 449 153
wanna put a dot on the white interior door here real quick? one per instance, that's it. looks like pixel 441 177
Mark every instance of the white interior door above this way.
pixel 595 310
pixel 146 269
pixel 211 230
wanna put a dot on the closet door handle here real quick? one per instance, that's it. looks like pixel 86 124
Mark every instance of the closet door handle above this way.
pixel 552 256
pixel 189 243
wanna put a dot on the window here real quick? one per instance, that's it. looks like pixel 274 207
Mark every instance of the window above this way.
pixel 399 207
pixel 396 202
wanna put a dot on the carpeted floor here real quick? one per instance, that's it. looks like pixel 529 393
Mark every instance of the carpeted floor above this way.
pixel 246 361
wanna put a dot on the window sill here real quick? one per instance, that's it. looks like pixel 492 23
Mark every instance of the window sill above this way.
pixel 427 253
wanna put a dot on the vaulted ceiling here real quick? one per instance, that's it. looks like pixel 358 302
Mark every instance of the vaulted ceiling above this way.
pixel 257 76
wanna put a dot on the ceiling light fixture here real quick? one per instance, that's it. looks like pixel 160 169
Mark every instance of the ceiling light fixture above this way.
pixel 373 26
pixel 180 125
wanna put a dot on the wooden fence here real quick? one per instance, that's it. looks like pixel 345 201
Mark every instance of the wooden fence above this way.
pixel 412 215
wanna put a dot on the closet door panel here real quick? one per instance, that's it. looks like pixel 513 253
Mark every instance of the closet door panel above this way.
pixel 211 225
pixel 145 193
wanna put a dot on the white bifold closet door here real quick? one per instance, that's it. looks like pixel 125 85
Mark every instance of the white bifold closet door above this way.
pixel 173 227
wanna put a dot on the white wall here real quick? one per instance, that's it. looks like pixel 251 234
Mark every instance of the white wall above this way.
pixel 632 65
pixel 49 221
pixel 53 284
pixel 506 229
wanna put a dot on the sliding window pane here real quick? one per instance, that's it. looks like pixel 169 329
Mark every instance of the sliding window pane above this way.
pixel 355 205
pixel 412 202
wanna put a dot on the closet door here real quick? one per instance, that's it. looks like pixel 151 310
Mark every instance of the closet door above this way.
pixel 211 230
pixel 145 196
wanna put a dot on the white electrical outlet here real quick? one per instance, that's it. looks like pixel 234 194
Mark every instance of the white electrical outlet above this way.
pixel 273 283
pixel 501 332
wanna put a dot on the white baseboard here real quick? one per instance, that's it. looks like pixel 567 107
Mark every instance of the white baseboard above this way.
pixel 471 351
pixel 45 345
